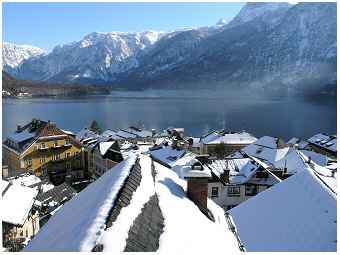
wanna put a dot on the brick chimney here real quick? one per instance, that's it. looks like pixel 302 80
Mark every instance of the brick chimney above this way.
pixel 226 174
pixel 197 181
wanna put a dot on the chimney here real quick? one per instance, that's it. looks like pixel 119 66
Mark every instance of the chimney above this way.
pixel 19 128
pixel 309 160
pixel 50 122
pixel 38 122
pixel 333 173
pixel 226 174
pixel 132 131
pixel 96 135
pixel 153 132
pixel 285 168
pixel 223 132
pixel 143 127
pixel 34 120
pixel 4 171
pixel 85 130
pixel 197 181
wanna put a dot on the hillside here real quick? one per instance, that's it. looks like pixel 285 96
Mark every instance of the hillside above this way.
pixel 36 89
pixel 267 46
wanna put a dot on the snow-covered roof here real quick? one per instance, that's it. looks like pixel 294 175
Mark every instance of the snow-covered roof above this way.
pixel 328 142
pixel 22 136
pixel 248 174
pixel 268 149
pixel 80 225
pixel 25 180
pixel 85 134
pixel 297 215
pixel 104 146
pixel 108 133
pixel 294 162
pixel 228 138
pixel 318 158
pixel 16 202
pixel 168 155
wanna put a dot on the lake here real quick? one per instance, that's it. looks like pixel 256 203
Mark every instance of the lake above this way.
pixel 283 115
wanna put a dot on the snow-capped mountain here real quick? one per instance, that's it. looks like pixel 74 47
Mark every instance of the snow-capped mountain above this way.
pixel 13 55
pixel 276 46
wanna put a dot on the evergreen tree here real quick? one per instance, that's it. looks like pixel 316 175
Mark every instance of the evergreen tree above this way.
pixel 95 127
pixel 222 150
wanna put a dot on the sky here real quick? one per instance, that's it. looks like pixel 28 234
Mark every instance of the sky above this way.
pixel 48 24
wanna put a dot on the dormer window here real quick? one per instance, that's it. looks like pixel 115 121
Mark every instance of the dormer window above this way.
pixel 67 142
pixel 42 145
pixel 55 143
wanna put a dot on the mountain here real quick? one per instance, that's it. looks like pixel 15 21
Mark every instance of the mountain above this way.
pixel 276 46
pixel 13 55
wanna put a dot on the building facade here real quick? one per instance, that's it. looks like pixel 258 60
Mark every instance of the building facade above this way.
pixel 45 150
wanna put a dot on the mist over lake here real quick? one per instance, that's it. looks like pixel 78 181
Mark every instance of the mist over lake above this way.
pixel 283 115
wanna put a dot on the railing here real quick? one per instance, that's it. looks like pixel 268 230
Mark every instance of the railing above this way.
pixel 232 228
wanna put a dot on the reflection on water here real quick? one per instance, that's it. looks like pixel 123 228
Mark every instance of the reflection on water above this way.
pixel 199 112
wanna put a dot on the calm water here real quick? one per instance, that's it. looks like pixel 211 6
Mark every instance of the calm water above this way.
pixel 284 115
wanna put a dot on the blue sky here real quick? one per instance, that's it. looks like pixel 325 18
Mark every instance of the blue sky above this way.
pixel 48 24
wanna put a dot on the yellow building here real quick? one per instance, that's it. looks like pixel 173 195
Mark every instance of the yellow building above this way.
pixel 45 150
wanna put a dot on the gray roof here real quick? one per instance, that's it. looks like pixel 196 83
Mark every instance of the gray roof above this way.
pixel 144 234
pixel 58 194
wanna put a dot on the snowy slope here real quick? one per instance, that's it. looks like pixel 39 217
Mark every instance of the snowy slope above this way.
pixel 13 55
pixel 296 215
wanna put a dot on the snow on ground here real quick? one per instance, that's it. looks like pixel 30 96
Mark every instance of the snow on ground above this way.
pixel 296 215
pixel 70 231
pixel 18 201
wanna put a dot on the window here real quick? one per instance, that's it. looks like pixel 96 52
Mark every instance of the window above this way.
pixel 67 154
pixel 56 157
pixel 57 168
pixel 251 191
pixel 214 191
pixel 35 147
pixel 91 156
pixel 18 160
pixel 43 159
pixel 55 143
pixel 67 142
pixel 76 153
pixel 30 161
pixel 91 164
pixel 42 145
pixel 234 190
pixel 43 170
pixel 15 158
pixel 77 163
pixel 68 165
pixel 72 142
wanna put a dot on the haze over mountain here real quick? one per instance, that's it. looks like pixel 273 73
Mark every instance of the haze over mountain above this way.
pixel 275 46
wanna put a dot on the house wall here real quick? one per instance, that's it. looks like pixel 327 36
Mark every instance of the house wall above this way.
pixel 11 159
pixel 99 164
pixel 29 229
pixel 226 200
pixel 36 152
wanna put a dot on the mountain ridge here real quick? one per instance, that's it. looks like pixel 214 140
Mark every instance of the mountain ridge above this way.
pixel 249 52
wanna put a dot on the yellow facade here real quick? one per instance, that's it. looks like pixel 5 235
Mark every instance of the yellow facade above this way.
pixel 44 155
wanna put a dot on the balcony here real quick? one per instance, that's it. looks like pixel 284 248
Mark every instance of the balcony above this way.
pixel 56 161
